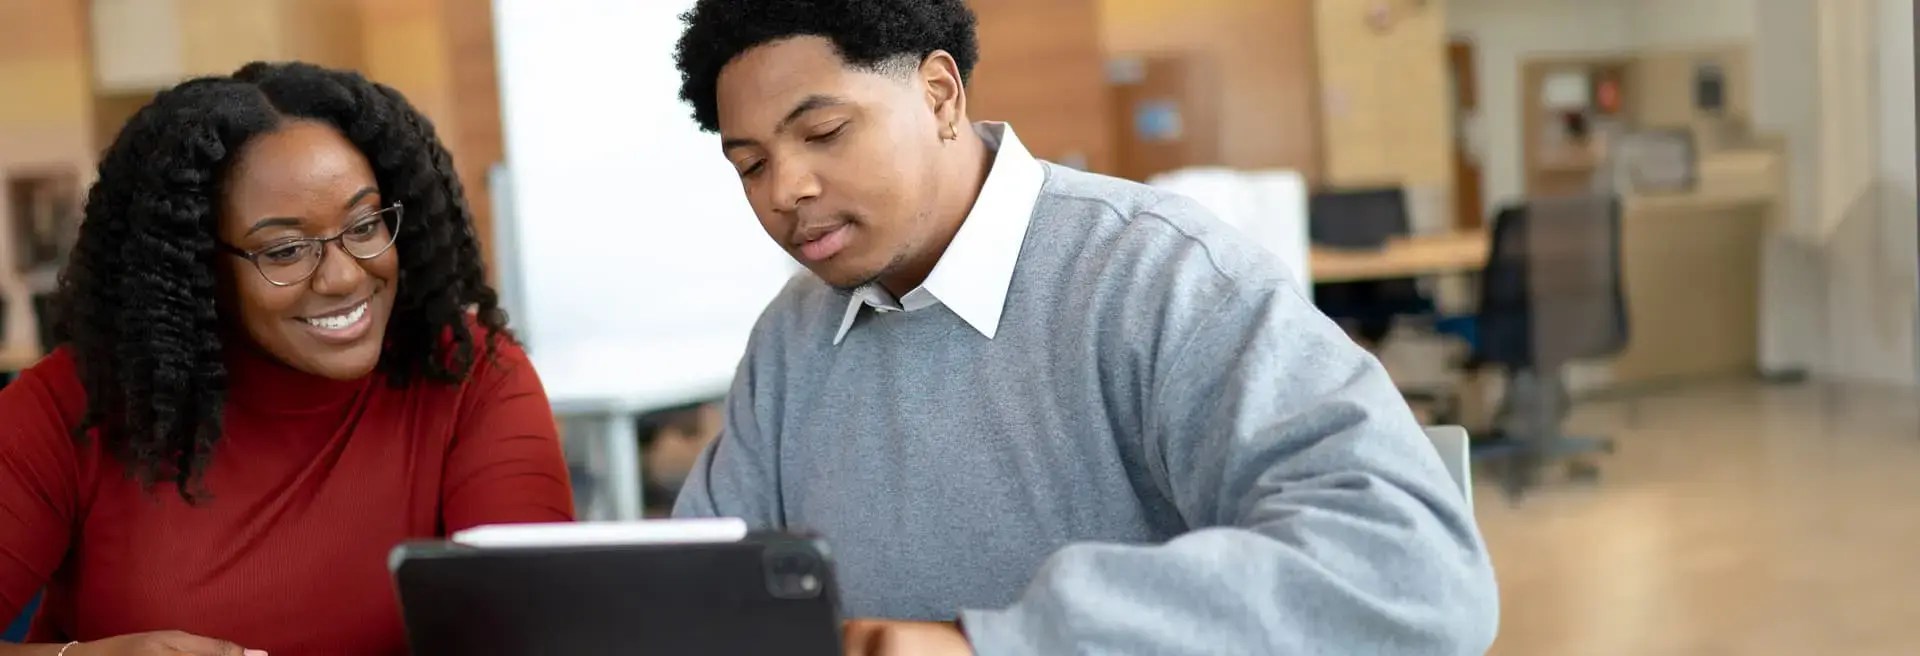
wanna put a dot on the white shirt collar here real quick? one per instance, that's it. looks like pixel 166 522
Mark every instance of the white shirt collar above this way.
pixel 974 273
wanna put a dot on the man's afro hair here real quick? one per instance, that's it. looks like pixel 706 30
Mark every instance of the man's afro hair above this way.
pixel 870 34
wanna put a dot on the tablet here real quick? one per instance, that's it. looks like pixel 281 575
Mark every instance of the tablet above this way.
pixel 653 587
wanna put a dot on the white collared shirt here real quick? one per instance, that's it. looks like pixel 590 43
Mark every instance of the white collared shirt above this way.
pixel 973 275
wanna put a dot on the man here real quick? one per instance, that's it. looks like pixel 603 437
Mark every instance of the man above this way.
pixel 1035 410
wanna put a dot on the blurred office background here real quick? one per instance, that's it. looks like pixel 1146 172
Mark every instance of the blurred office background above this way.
pixel 1658 256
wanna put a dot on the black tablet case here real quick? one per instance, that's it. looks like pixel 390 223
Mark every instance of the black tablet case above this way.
pixel 720 598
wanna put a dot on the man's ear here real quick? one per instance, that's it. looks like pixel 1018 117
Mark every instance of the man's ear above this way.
pixel 946 94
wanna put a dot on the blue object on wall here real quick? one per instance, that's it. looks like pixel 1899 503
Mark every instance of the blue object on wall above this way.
pixel 1157 120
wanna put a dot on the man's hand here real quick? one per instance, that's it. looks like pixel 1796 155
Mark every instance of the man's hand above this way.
pixel 889 638
pixel 161 643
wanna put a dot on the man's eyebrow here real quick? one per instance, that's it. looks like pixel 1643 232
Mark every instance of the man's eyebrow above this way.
pixel 807 104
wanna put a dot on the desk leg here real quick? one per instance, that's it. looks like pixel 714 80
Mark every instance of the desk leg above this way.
pixel 623 470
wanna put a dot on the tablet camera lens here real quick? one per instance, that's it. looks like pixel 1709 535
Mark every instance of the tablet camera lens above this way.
pixel 793 575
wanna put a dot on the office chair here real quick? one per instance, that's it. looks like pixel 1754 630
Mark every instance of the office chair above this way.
pixel 43 317
pixel 1364 219
pixel 1551 294
pixel 1454 446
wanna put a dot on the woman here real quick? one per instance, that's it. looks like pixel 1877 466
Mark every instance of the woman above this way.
pixel 280 358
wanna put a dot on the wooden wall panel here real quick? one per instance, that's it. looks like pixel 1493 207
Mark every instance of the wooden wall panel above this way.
pixel 477 140
pixel 1661 84
pixel 146 45
pixel 136 44
pixel 1264 52
pixel 1187 85
pixel 1042 70
pixel 1386 118
pixel 111 111
pixel 43 67
pixel 46 128
pixel 405 47
pixel 324 32
pixel 218 36
pixel 439 53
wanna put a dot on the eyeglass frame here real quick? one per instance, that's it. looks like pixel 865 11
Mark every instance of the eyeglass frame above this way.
pixel 253 256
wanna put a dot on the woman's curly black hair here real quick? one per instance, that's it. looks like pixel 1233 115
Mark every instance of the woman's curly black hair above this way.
pixel 870 34
pixel 137 305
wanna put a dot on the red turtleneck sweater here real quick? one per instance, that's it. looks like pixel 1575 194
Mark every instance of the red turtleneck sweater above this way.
pixel 312 484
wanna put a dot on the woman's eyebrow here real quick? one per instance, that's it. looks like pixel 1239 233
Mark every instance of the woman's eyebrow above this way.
pixel 291 222
pixel 362 193
pixel 273 222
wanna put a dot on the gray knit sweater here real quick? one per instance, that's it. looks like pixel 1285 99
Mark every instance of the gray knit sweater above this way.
pixel 1165 449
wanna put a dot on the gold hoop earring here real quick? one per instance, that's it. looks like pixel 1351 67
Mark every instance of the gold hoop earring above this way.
pixel 953 132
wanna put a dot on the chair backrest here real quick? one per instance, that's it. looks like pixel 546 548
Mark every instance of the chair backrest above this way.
pixel 1505 326
pixel 1456 453
pixel 1573 278
pixel 1551 290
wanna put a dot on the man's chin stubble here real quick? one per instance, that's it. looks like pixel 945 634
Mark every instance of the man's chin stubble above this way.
pixel 849 289
pixel 865 280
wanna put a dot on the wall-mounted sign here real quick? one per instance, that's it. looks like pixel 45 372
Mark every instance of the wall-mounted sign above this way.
pixel 1709 87
pixel 1566 90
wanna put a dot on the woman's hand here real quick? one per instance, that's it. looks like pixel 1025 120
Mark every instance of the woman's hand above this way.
pixel 890 638
pixel 161 643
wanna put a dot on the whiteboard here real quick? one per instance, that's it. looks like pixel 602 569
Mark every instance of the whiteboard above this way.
pixel 635 267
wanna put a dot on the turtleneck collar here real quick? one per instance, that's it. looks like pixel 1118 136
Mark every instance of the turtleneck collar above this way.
pixel 259 381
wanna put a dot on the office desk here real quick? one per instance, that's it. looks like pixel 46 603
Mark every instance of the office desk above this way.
pixel 1425 255
pixel 604 389
pixel 1692 265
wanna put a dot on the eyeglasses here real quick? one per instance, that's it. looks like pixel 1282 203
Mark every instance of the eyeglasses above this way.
pixel 292 261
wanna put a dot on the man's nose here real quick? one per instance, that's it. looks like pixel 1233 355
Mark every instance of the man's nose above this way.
pixel 793 184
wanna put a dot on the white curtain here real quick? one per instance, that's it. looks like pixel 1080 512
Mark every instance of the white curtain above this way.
pixel 1864 223
pixel 1846 113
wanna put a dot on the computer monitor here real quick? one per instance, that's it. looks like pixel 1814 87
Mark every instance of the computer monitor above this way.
pixel 1357 218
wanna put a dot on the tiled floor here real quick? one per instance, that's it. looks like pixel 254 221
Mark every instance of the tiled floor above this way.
pixel 1735 519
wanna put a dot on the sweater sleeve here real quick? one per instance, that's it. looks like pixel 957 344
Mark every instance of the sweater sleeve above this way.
pixel 39 482
pixel 506 464
pixel 1321 520
pixel 734 476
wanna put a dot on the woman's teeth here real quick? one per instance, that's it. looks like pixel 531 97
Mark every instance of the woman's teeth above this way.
pixel 339 321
